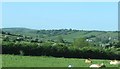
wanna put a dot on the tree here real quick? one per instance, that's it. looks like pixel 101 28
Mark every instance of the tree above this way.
pixel 80 42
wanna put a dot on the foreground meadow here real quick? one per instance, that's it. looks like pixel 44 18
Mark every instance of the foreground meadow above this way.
pixel 43 61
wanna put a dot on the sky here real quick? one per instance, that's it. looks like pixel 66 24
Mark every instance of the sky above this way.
pixel 61 15
pixel 60 0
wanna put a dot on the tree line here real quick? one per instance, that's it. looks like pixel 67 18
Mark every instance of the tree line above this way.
pixel 59 50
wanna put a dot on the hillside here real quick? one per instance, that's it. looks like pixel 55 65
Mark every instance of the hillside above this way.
pixel 58 43
pixel 67 34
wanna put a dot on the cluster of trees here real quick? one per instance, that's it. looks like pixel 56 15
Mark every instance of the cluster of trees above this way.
pixel 56 32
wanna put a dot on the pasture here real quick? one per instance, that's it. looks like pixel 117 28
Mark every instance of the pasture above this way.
pixel 44 61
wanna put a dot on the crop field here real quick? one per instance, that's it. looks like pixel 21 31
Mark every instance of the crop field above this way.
pixel 43 61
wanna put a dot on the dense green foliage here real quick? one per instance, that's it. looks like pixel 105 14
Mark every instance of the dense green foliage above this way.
pixel 48 49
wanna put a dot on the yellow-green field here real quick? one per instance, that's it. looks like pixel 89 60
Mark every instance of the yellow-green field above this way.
pixel 43 61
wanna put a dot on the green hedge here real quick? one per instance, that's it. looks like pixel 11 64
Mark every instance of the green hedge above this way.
pixel 47 49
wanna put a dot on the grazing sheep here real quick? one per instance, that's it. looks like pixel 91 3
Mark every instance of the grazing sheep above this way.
pixel 97 65
pixel 114 62
pixel 88 60
pixel 69 66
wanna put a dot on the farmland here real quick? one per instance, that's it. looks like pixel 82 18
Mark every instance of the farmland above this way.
pixel 44 61
pixel 58 43
pixel 58 48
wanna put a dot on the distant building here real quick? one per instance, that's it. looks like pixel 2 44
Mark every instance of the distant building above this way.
pixel 89 40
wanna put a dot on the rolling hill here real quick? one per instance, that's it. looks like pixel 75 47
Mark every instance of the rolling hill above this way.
pixel 67 34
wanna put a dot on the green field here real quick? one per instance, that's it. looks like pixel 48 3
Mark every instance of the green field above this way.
pixel 43 61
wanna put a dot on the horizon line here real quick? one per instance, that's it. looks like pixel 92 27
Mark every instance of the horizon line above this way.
pixel 60 29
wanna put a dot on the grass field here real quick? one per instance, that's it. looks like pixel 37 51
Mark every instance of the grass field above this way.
pixel 43 61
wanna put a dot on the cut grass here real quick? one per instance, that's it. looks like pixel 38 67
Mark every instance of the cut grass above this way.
pixel 43 61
